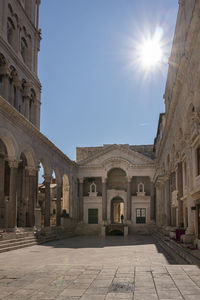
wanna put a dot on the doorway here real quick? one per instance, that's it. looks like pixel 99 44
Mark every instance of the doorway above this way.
pixel 117 211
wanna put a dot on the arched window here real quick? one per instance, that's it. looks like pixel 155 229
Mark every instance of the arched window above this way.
pixel 93 190
pixel 140 187
pixel 24 47
pixel 10 31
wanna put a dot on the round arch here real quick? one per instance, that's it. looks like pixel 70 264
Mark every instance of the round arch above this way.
pixel 30 156
pixel 10 142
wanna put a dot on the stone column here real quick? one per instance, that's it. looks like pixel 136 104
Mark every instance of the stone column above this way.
pixel 58 205
pixel 152 205
pixel 104 199
pixel 158 203
pixel 180 193
pixel 5 81
pixel 32 196
pixel 2 201
pixel 81 180
pixel 37 14
pixel 47 179
pixel 27 95
pixel 129 199
pixel 13 194
pixel 168 201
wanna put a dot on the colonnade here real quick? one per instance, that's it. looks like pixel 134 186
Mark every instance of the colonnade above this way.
pixel 18 196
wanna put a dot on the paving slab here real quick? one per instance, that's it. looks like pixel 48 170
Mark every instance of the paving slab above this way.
pixel 93 268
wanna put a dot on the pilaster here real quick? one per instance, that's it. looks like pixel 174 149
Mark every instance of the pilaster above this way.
pixel 47 200
pixel 104 199
pixel 129 198
pixel 13 194
pixel 81 181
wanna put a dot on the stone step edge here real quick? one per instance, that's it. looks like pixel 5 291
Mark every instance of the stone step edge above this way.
pixel 176 256
pixel 191 259
pixel 178 245
pixel 6 249
pixel 17 243
pixel 2 242
pixel 38 241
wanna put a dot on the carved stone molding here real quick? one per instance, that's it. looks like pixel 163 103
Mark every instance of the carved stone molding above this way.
pixel 31 171
pixel 13 163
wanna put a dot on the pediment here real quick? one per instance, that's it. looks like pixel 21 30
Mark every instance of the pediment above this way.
pixel 116 154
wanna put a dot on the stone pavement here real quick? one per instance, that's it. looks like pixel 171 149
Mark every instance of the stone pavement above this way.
pixel 93 268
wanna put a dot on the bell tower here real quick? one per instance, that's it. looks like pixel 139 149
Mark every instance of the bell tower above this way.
pixel 19 47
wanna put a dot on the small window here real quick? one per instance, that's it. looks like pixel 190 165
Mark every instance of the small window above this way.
pixel 54 211
pixel 141 187
pixel 93 216
pixel 141 215
pixel 10 31
pixel 198 161
pixel 23 49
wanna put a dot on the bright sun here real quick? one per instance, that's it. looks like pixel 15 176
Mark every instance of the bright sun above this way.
pixel 148 53
pixel 151 53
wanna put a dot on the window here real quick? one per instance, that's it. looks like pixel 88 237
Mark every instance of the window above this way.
pixel 93 216
pixel 10 31
pixel 140 215
pixel 198 161
pixel 141 187
pixel 23 48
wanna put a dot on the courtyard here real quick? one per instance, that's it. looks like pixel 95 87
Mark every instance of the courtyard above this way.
pixel 87 268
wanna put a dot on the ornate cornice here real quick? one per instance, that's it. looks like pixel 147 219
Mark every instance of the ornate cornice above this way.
pixel 116 147
pixel 22 66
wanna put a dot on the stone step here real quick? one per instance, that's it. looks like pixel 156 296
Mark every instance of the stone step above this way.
pixel 26 239
pixel 7 241
pixel 178 249
pixel 16 243
pixel 15 247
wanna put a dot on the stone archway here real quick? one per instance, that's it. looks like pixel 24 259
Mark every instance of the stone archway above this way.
pixel 117 210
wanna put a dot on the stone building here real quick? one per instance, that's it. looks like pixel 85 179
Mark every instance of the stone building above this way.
pixel 177 144
pixel 116 181
pixel 133 187
pixel 22 146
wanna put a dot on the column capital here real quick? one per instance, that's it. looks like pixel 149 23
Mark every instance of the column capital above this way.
pixel 31 171
pixel 129 178
pixel 4 70
pixel 13 163
pixel 104 179
pixel 81 179
pixel 47 178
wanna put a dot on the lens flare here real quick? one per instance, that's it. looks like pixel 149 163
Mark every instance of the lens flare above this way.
pixel 151 53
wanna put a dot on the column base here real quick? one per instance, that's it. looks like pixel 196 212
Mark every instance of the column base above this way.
pixel 187 238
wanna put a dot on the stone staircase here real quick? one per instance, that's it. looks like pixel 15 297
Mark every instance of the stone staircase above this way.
pixel 13 241
pixel 181 250
pixel 28 237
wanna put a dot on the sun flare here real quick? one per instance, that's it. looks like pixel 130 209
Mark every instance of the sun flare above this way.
pixel 151 53
pixel 148 53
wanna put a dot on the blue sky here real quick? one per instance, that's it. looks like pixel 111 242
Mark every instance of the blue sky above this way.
pixel 91 95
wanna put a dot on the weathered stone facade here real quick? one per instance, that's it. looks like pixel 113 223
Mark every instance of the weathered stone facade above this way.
pixel 116 180
pixel 177 176
pixel 135 187
pixel 22 146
